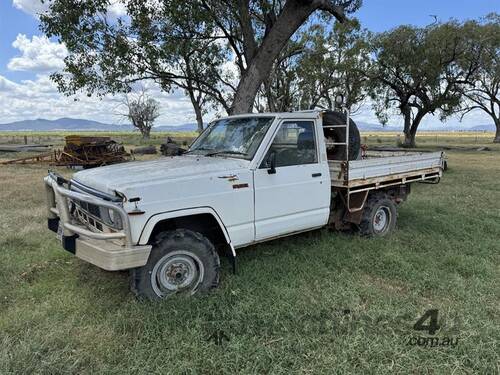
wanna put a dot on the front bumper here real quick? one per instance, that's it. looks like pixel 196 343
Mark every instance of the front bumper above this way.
pixel 111 250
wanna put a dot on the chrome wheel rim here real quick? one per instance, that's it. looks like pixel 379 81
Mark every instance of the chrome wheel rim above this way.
pixel 177 272
pixel 381 219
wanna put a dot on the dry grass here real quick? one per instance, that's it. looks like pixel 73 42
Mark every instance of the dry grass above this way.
pixel 432 139
pixel 315 303
pixel 57 137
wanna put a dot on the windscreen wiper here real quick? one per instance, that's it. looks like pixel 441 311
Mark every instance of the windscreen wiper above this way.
pixel 231 152
pixel 199 148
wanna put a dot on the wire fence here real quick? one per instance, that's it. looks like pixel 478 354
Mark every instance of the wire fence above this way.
pixel 429 138
pixel 185 138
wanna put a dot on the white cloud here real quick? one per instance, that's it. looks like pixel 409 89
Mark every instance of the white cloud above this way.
pixel 37 55
pixel 39 98
pixel 116 8
pixel 33 7
pixel 6 85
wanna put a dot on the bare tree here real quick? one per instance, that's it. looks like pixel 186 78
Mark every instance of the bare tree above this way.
pixel 142 111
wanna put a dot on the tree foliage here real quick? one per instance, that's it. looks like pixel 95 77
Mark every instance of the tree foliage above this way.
pixel 179 44
pixel 275 54
pixel 335 62
pixel 483 90
pixel 417 72
pixel 171 44
pixel 319 64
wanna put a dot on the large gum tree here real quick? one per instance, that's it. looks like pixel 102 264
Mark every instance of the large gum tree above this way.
pixel 483 91
pixel 417 71
pixel 180 44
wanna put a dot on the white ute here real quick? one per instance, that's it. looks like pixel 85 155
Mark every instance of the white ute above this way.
pixel 245 179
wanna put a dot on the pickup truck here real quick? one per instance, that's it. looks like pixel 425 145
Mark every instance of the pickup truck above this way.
pixel 246 179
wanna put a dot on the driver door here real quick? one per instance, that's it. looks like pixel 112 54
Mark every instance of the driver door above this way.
pixel 297 196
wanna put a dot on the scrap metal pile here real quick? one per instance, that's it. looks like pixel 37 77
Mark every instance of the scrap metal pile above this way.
pixel 81 151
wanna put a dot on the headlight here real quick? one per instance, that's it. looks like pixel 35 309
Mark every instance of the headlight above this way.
pixel 115 218
pixel 111 217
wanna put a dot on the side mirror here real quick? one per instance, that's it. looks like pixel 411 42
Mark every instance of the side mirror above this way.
pixel 271 162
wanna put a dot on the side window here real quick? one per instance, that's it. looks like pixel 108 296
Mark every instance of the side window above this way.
pixel 294 144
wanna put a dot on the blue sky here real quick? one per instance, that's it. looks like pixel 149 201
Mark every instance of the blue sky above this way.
pixel 381 15
pixel 26 92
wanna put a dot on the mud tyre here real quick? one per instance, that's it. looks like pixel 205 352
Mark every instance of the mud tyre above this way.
pixel 379 216
pixel 181 262
pixel 338 135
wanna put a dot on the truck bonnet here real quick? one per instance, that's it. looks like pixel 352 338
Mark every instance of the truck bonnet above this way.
pixel 133 176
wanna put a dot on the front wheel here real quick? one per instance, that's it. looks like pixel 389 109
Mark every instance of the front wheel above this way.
pixel 379 216
pixel 181 261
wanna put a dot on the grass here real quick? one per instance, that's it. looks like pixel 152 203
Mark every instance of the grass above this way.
pixel 134 138
pixel 315 303
pixel 432 139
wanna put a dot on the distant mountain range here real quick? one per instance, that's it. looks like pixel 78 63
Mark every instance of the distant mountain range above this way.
pixel 483 128
pixel 71 124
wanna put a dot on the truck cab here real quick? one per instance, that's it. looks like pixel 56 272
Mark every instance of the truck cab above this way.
pixel 245 179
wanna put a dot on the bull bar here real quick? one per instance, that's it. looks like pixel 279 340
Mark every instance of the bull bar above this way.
pixel 91 246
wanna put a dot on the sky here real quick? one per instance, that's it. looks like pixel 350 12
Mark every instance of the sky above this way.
pixel 27 58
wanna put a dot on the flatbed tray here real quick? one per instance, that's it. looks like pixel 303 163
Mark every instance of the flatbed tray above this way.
pixel 383 168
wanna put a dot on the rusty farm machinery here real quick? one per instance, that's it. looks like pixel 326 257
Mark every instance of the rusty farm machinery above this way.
pixel 80 151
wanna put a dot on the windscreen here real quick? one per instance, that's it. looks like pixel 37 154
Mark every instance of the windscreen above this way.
pixel 235 137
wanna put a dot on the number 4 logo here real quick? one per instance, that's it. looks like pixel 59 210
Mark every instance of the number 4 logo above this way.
pixel 433 325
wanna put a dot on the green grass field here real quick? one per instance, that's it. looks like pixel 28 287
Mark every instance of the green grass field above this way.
pixel 320 302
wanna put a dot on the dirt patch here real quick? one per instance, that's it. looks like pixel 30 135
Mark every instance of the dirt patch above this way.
pixel 33 271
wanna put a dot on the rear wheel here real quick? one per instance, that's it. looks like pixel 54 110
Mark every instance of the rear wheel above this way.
pixel 379 216
pixel 181 261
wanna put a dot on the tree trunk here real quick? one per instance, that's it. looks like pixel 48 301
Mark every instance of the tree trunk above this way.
pixel 411 128
pixel 145 131
pixel 195 101
pixel 407 117
pixel 409 140
pixel 199 117
pixel 497 135
pixel 271 107
pixel 293 15
pixel 139 125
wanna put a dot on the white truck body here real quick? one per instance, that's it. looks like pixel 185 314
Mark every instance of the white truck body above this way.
pixel 249 203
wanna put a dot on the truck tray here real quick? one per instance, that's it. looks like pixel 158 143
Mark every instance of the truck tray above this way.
pixel 384 168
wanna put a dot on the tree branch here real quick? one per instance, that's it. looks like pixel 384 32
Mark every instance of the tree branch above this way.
pixel 335 10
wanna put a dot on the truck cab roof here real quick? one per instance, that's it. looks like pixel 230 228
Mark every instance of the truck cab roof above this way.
pixel 306 114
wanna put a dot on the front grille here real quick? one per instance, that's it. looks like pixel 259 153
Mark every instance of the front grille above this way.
pixel 90 208
pixel 94 216
pixel 88 214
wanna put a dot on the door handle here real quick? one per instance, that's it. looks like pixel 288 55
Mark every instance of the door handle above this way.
pixel 316 174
